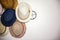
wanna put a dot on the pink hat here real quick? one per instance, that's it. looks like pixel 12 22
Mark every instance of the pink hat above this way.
pixel 18 29
pixel 1 10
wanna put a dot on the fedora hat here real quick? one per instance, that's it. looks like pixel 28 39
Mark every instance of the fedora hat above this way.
pixel 23 12
pixel 18 29
pixel 8 17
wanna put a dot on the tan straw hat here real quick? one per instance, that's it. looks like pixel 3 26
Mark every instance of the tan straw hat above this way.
pixel 3 30
pixel 9 3
pixel 15 4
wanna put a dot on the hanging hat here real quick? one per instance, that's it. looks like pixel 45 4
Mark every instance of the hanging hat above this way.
pixel 23 12
pixel 3 30
pixel 1 10
pixel 8 17
pixel 18 29
pixel 15 4
pixel 9 3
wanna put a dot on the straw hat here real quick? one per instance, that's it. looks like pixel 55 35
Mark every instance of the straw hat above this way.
pixel 9 3
pixel 3 30
pixel 18 29
pixel 15 4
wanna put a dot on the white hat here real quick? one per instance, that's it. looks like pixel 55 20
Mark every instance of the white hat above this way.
pixel 23 12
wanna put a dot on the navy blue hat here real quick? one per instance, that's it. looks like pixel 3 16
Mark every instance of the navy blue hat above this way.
pixel 8 17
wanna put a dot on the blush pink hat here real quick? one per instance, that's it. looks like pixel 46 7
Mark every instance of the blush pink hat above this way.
pixel 18 29
pixel 1 9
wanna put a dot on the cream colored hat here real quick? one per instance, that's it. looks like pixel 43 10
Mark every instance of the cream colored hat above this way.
pixel 23 12
pixel 18 29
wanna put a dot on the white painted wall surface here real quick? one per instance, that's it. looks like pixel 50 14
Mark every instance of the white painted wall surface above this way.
pixel 47 24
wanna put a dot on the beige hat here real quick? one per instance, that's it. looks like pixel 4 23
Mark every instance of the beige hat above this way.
pixel 3 30
pixel 18 29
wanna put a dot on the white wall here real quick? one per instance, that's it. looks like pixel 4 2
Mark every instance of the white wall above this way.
pixel 46 25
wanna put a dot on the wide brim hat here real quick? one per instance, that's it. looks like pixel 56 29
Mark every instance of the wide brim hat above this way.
pixel 18 29
pixel 8 17
pixel 18 13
